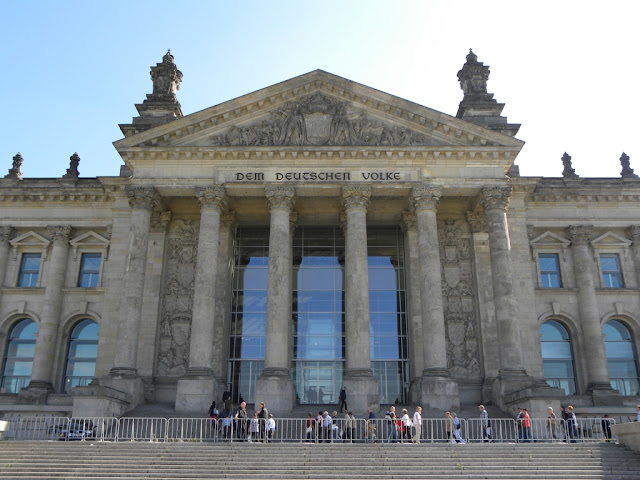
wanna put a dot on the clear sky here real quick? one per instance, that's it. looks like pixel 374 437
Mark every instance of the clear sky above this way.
pixel 568 71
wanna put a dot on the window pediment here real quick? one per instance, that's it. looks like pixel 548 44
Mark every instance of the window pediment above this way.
pixel 30 241
pixel 550 241
pixel 90 240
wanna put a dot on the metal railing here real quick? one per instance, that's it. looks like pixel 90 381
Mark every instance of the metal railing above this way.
pixel 298 430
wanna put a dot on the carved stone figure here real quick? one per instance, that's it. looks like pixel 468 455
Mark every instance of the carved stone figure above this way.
pixel 627 171
pixel 569 171
pixel 72 171
pixel 14 171
pixel 166 79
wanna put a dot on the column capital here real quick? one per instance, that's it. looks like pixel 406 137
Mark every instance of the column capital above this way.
pixel 492 198
pixel 408 221
pixel 211 196
pixel 144 198
pixel 160 220
pixel 356 196
pixel 633 231
pixel 580 234
pixel 280 197
pixel 59 233
pixel 426 197
pixel 478 220
pixel 6 233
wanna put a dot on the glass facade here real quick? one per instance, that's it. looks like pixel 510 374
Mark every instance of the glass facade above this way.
pixel 557 356
pixel 18 358
pixel 621 358
pixel 81 354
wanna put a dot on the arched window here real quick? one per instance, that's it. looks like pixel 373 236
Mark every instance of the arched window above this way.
pixel 621 358
pixel 557 356
pixel 83 350
pixel 18 358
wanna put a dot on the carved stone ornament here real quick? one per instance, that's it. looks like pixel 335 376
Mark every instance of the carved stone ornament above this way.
pixel 473 79
pixel 569 171
pixel 14 171
pixel 356 196
pixel 408 221
pixel 59 233
pixel 166 79
pixel 477 218
pixel 160 220
pixel 142 197
pixel 228 220
pixel 426 196
pixel 280 197
pixel 72 171
pixel 580 234
pixel 319 120
pixel 6 234
pixel 211 196
pixel 634 233
pixel 495 197
pixel 627 171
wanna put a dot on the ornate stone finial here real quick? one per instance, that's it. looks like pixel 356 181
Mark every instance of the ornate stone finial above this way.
pixel 627 171
pixel 280 197
pixel 478 220
pixel 6 233
pixel 580 234
pixel 426 196
pixel 142 197
pixel 356 196
pixel 495 197
pixel 473 78
pixel 569 171
pixel 14 171
pixel 211 196
pixel 408 221
pixel 166 79
pixel 72 171
pixel 59 233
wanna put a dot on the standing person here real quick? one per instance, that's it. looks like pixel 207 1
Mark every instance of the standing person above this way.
pixel 335 430
pixel 226 400
pixel 553 431
pixel 606 428
pixel 319 426
pixel 213 412
pixel 457 429
pixel 392 431
pixel 564 423
pixel 311 424
pixel 519 423
pixel 347 434
pixel 342 406
pixel 417 424
pixel 406 425
pixel 448 426
pixel 254 429
pixel 271 428
pixel 263 416
pixel 371 425
pixel 485 423
pixel 241 422
pixel 326 427
pixel 526 426
pixel 572 424
pixel 638 413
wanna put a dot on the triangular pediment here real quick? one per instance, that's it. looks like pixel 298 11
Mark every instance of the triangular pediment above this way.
pixel 90 240
pixel 610 239
pixel 549 239
pixel 317 110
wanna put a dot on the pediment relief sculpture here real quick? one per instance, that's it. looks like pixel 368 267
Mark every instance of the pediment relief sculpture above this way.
pixel 319 120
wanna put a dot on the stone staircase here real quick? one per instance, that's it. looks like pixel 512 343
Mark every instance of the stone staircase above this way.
pixel 185 461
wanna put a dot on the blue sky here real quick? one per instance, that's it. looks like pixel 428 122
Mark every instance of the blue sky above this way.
pixel 73 70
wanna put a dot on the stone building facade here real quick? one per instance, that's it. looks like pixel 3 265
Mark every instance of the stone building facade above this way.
pixel 314 234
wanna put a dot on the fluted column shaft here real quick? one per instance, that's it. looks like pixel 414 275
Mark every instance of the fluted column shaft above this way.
pixel 142 201
pixel 495 201
pixel 425 201
pixel 43 359
pixel 203 323
pixel 5 235
pixel 597 369
pixel 280 201
pixel 357 332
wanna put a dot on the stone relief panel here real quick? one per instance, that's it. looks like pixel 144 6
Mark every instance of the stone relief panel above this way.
pixel 177 298
pixel 319 120
pixel 458 296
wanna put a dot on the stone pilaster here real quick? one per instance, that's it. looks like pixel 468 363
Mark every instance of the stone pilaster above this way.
pixel 438 390
pixel 6 234
pixel 599 384
pixel 46 341
pixel 412 253
pixel 198 386
pixel 274 386
pixel 359 379
pixel 634 236
pixel 512 375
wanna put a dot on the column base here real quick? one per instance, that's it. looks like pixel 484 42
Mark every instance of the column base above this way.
pixel 99 401
pixel 196 390
pixel 438 391
pixel 603 394
pixel 362 391
pixel 124 380
pixel 35 393
pixel 275 388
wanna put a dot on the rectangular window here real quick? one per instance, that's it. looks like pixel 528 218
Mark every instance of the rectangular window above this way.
pixel 29 269
pixel 611 272
pixel 89 270
pixel 550 270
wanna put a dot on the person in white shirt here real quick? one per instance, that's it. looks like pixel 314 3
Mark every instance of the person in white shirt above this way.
pixel 417 425
pixel 326 427
pixel 271 428
pixel 406 425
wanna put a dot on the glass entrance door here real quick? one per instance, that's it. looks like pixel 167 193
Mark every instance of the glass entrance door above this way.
pixel 318 382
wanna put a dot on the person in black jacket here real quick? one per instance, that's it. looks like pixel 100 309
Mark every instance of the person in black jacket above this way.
pixel 342 406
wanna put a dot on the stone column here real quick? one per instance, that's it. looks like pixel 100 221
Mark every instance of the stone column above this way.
pixel 142 201
pixel 512 376
pixel 437 390
pixel 634 235
pixel 599 384
pixel 414 303
pixel 198 387
pixel 361 384
pixel 47 338
pixel 274 386
pixel 6 233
